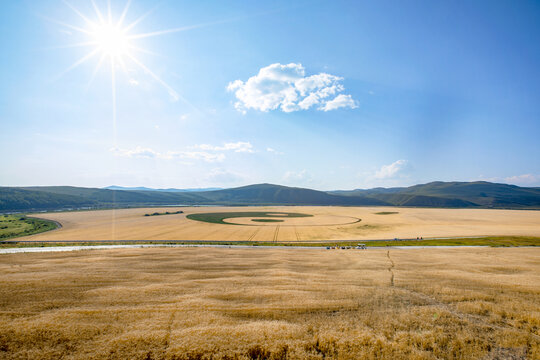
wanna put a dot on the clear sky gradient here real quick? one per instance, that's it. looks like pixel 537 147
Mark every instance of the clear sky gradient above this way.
pixel 319 94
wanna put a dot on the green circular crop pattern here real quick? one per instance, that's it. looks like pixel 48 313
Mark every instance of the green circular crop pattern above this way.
pixel 217 218
pixel 267 220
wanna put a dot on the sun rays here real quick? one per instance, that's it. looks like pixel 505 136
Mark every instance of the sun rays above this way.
pixel 111 40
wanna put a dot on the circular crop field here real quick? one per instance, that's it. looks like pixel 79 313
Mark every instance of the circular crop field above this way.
pixel 218 218
pixel 257 218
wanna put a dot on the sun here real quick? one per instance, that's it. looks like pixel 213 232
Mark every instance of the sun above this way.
pixel 111 40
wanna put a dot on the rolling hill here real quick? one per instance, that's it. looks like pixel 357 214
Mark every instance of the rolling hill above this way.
pixel 435 194
pixel 17 199
pixel 121 197
pixel 276 194
pixel 478 193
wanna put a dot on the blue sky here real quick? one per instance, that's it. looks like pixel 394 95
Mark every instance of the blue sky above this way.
pixel 327 95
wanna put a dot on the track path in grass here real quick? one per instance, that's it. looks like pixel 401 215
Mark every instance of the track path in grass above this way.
pixel 391 268
pixel 477 320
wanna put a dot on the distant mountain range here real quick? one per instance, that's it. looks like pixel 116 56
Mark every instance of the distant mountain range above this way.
pixel 478 194
pixel 455 194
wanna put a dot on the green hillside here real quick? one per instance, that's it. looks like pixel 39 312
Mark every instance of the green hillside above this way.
pixel 482 193
pixel 106 196
pixel 17 199
pixel 455 194
pixel 276 194
pixel 423 201
pixel 435 194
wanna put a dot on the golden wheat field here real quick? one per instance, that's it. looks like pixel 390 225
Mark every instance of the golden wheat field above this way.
pixel 327 223
pixel 271 303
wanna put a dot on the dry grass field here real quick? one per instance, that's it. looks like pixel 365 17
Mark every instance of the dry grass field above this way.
pixel 269 303
pixel 327 223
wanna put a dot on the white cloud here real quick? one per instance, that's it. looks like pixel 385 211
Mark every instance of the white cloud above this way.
pixel 204 152
pixel 286 87
pixel 239 146
pixel 392 170
pixel 133 82
pixel 138 152
pixel 525 179
pixel 520 180
pixel 340 101
pixel 195 155
pixel 274 151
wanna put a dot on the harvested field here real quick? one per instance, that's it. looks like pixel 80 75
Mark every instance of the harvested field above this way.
pixel 326 223
pixel 267 303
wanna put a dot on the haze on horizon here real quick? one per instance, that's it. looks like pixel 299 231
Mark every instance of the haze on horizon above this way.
pixel 324 95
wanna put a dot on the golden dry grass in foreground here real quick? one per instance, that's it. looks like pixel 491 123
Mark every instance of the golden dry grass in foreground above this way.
pixel 268 303
pixel 131 224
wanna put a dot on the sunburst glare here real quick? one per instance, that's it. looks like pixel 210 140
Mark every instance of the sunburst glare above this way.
pixel 111 40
